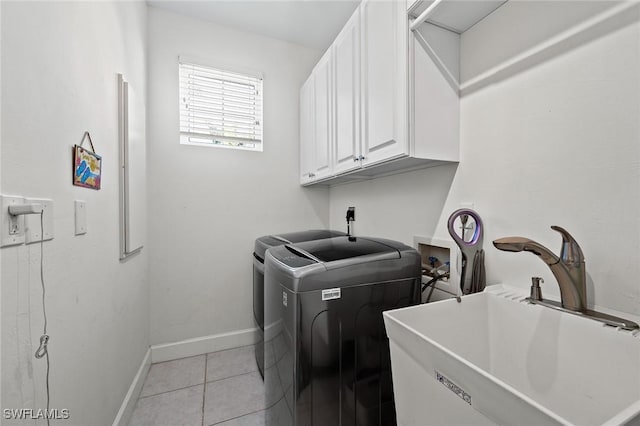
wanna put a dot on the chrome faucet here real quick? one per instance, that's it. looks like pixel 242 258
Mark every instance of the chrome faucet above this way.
pixel 568 269
pixel 570 272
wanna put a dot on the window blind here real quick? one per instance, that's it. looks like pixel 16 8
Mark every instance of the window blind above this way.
pixel 220 108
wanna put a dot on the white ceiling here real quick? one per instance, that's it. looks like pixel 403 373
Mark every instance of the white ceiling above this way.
pixel 311 23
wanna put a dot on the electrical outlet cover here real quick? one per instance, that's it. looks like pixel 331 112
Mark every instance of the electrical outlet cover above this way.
pixel 81 217
pixel 12 226
pixel 32 222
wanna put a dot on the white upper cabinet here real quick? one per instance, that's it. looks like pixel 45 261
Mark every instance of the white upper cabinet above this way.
pixel 322 77
pixel 384 80
pixel 385 95
pixel 346 49
pixel 307 131
pixel 316 123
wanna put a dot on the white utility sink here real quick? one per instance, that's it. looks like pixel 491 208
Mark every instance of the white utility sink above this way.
pixel 494 359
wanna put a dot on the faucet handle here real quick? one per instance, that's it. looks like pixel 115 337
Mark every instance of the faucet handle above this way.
pixel 536 292
pixel 570 253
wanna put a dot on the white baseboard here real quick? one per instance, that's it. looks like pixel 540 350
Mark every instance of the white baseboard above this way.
pixel 203 345
pixel 129 403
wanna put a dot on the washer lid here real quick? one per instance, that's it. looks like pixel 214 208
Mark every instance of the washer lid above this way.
pixel 264 243
pixel 312 234
pixel 342 248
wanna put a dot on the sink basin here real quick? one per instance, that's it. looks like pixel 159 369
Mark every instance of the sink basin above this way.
pixel 495 359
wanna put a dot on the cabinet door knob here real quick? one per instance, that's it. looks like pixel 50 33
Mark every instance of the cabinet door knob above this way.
pixel 361 157
pixel 355 159
pixel 312 175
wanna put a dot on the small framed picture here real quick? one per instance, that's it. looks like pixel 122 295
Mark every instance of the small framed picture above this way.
pixel 86 167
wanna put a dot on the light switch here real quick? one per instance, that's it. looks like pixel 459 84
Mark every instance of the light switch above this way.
pixel 32 221
pixel 12 226
pixel 81 217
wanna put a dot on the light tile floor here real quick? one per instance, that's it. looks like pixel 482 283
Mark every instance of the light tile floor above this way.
pixel 221 388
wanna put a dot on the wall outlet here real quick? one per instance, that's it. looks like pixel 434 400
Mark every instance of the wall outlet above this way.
pixel 32 222
pixel 12 226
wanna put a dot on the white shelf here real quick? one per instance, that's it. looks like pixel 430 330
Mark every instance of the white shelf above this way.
pixel 454 15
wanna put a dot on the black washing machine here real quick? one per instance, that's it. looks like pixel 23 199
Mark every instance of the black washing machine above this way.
pixel 326 349
pixel 262 244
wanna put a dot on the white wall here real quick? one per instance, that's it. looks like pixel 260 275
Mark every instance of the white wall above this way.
pixel 207 205
pixel 59 67
pixel 554 143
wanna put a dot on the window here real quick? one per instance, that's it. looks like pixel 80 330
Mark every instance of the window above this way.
pixel 220 108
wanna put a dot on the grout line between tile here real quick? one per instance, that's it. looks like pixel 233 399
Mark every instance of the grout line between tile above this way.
pixel 178 359
pixel 230 349
pixel 237 417
pixel 172 390
pixel 204 391
pixel 230 377
pixel 204 354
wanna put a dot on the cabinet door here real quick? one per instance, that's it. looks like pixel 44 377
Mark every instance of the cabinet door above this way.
pixel 322 106
pixel 384 74
pixel 346 116
pixel 307 131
